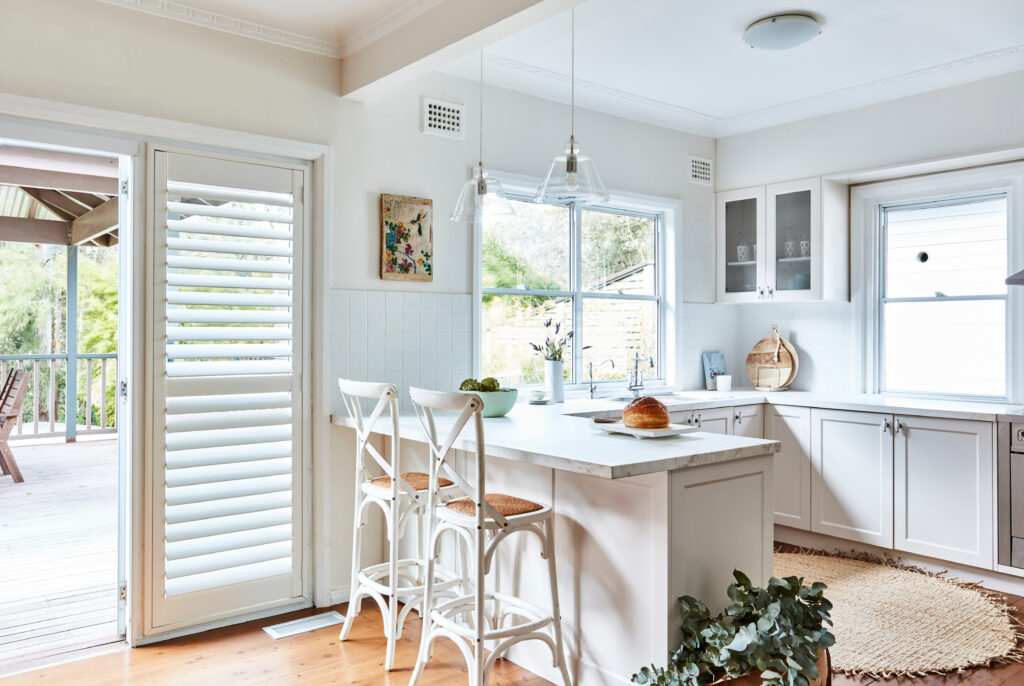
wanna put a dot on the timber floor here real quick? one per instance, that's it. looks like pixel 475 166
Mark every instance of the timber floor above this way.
pixel 58 551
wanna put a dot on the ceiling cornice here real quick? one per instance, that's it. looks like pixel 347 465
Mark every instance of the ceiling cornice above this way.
pixel 234 25
pixel 385 25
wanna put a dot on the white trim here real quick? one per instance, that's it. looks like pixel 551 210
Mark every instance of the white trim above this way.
pixel 866 261
pixel 668 271
pixel 168 9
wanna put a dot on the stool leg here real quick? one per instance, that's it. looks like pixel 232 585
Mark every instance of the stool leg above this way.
pixel 354 590
pixel 423 656
pixel 392 619
pixel 549 545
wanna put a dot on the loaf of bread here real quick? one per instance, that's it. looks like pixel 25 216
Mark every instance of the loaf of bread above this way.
pixel 645 413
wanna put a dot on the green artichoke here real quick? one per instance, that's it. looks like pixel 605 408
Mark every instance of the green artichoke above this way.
pixel 489 384
pixel 469 385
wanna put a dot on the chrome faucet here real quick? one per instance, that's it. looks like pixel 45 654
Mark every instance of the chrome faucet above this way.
pixel 636 377
pixel 591 367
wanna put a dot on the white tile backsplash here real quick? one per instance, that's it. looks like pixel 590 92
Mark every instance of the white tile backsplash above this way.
pixel 404 338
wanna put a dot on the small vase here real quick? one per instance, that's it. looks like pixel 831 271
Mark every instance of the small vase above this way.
pixel 553 383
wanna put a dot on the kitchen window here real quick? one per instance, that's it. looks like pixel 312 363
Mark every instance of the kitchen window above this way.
pixel 942 312
pixel 595 271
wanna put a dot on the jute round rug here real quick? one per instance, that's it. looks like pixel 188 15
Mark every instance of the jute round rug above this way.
pixel 891 620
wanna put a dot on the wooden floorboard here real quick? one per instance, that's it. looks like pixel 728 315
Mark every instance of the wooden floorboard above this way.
pixel 245 654
pixel 58 547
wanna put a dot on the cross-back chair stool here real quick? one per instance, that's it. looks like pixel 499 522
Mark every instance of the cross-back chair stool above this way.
pixel 481 520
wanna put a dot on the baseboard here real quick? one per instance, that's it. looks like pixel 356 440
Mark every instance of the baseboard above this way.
pixel 1004 583
pixel 339 595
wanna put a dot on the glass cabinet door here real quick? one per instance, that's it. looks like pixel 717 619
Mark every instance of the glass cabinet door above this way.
pixel 741 245
pixel 793 241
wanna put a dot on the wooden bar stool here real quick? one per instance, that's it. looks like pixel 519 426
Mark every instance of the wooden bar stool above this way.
pixel 401 496
pixel 482 521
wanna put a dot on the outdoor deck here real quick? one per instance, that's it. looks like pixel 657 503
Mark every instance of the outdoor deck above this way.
pixel 58 550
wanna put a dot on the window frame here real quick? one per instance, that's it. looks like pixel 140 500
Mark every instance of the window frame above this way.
pixel 663 211
pixel 868 204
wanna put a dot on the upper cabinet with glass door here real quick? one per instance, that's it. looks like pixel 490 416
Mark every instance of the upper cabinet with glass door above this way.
pixel 784 242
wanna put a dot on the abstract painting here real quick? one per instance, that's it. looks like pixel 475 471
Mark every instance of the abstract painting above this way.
pixel 406 238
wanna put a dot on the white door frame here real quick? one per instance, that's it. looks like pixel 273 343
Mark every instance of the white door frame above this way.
pixel 91 127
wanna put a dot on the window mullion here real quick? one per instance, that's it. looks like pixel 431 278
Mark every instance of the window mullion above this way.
pixel 575 274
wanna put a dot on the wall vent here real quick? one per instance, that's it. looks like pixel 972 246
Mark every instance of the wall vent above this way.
pixel 443 118
pixel 701 171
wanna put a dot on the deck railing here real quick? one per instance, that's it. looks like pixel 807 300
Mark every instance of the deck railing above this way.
pixel 46 397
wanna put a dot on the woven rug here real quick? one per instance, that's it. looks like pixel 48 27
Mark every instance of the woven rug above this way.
pixel 890 620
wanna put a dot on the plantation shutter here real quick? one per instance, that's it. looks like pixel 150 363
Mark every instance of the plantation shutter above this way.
pixel 228 344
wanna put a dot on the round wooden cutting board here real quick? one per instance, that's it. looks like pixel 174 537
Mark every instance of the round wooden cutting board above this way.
pixel 772 363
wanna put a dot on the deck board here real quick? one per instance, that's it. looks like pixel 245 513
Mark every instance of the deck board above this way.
pixel 58 547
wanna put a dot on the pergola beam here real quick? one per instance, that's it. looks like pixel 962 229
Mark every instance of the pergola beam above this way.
pixel 95 223
pixel 53 201
pixel 58 181
pixel 438 36
pixel 21 230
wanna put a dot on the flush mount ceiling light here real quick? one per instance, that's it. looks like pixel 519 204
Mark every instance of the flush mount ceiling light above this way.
pixel 572 177
pixel 483 196
pixel 781 32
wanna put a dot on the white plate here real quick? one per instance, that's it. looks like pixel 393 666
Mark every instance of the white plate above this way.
pixel 670 430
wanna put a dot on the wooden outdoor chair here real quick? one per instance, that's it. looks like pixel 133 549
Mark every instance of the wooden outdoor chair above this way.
pixel 11 398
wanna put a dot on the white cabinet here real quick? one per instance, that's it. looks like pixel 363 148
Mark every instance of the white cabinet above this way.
pixel 784 242
pixel 852 475
pixel 791 426
pixel 944 489
pixel 716 420
pixel 748 421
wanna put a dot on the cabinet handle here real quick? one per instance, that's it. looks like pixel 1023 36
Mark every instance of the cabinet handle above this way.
pixel 699 422
pixel 760 293
pixel 770 292
pixel 886 426
pixel 901 427
pixel 739 417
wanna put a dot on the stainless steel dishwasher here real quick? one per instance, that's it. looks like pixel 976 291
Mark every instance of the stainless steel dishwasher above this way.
pixel 1010 483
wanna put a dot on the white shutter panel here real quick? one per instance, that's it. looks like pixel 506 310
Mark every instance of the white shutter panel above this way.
pixel 228 344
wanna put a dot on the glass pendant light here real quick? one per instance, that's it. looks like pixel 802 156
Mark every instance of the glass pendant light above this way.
pixel 482 197
pixel 572 177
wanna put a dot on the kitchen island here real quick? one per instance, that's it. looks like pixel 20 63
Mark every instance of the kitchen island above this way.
pixel 638 524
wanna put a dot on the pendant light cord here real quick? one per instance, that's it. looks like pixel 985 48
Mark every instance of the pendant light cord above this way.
pixel 572 75
pixel 481 160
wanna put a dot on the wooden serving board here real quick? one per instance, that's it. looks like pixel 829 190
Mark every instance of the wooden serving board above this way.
pixel 772 363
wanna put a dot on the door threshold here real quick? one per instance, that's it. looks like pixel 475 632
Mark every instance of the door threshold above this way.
pixel 72 655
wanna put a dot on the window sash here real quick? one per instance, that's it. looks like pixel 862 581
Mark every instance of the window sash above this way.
pixel 577 294
pixel 883 300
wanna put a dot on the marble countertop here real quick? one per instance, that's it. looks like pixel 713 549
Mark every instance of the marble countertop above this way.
pixel 549 436
pixel 860 402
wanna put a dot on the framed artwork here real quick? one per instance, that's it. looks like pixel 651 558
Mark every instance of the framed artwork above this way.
pixel 406 238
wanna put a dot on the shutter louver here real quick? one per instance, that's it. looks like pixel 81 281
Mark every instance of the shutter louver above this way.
pixel 230 375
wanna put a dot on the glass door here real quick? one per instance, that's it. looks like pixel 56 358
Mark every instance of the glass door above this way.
pixel 741 231
pixel 794 234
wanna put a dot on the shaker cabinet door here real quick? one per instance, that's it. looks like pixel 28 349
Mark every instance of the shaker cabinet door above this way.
pixel 791 426
pixel 944 489
pixel 851 485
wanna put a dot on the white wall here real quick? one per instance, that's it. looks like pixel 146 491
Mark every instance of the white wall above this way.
pixel 94 54
pixel 976 117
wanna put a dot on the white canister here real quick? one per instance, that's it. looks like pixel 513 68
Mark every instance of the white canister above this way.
pixel 805 248
pixel 723 382
pixel 789 247
pixel 742 253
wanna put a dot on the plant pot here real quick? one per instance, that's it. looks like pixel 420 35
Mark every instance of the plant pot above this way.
pixel 553 383
pixel 824 674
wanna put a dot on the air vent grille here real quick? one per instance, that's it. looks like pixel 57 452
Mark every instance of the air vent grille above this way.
pixel 701 171
pixel 443 118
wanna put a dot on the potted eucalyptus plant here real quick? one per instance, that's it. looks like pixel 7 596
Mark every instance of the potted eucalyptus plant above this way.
pixel 776 636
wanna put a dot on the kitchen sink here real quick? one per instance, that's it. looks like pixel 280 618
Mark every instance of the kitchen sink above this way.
pixel 668 396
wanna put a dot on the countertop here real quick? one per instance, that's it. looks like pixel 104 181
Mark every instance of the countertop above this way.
pixel 550 436
pixel 860 402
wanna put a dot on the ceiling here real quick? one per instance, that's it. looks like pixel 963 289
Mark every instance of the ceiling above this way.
pixel 678 63
pixel 683 64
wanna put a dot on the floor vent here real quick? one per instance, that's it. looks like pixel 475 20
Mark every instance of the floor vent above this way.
pixel 701 171
pixel 301 626
pixel 443 118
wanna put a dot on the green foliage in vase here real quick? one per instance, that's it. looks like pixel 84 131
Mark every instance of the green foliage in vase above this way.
pixel 775 631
